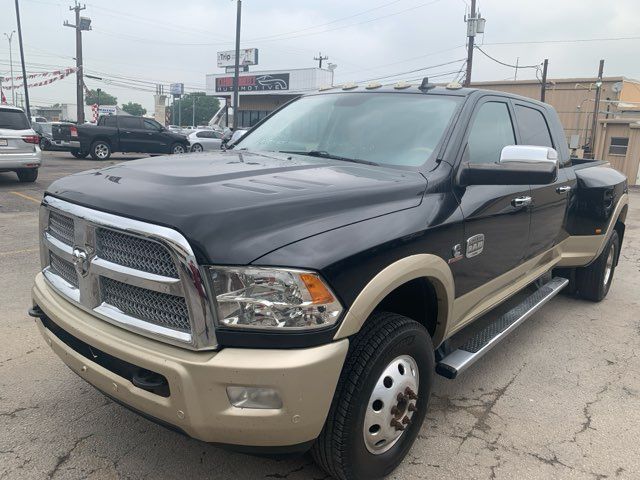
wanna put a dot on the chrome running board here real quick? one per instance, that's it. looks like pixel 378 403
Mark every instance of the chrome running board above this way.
pixel 483 341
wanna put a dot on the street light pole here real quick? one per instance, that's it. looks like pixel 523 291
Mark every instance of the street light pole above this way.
pixel 13 88
pixel 236 76
pixel 24 67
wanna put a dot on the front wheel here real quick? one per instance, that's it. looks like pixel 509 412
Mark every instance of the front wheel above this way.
pixel 178 148
pixel 100 150
pixel 593 282
pixel 380 401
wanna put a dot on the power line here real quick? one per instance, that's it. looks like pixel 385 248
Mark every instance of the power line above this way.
pixel 574 40
pixel 411 71
pixel 503 63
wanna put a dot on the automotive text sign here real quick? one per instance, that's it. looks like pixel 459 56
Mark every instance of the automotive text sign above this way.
pixel 254 83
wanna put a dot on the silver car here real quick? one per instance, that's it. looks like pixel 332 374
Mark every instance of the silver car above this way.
pixel 19 150
pixel 205 139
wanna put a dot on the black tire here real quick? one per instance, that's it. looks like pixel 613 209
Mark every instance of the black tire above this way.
pixel 44 144
pixel 79 154
pixel 178 148
pixel 593 282
pixel 340 449
pixel 27 175
pixel 100 150
pixel 196 147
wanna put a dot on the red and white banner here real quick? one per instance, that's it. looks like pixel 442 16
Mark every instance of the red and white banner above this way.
pixel 55 73
pixel 62 74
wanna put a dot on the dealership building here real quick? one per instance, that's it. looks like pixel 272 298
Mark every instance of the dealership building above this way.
pixel 262 92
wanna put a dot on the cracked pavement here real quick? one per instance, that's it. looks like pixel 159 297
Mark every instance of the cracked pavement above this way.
pixel 559 398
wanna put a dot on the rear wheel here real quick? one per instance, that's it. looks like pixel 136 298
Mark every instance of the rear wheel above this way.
pixel 100 150
pixel 380 401
pixel 593 282
pixel 44 144
pixel 178 148
pixel 79 154
pixel 27 175
pixel 197 148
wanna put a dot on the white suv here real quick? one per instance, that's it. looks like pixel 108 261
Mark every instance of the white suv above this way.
pixel 19 150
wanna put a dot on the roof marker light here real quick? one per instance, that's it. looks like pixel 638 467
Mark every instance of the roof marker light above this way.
pixel 453 86
pixel 401 85
pixel 373 85
pixel 349 86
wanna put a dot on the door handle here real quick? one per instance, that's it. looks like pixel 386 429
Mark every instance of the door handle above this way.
pixel 564 189
pixel 521 202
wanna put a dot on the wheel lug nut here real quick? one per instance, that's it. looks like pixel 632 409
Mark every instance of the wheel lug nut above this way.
pixel 412 407
pixel 400 397
pixel 395 423
pixel 394 410
pixel 406 420
pixel 410 393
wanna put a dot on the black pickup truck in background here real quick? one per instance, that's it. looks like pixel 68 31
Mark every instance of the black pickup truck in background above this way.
pixel 126 133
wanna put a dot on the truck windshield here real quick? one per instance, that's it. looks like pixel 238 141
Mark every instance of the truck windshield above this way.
pixel 380 128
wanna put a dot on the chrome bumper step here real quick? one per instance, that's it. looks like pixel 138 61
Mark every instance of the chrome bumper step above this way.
pixel 459 360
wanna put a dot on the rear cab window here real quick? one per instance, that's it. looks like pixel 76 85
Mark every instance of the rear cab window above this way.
pixel 11 119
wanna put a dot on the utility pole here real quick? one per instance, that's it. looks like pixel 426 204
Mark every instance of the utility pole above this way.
pixel 596 107
pixel 320 58
pixel 236 74
pixel 13 88
pixel 543 87
pixel 24 68
pixel 193 111
pixel 475 25
pixel 82 23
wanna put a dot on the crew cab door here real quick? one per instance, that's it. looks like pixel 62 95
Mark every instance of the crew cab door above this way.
pixel 549 202
pixel 133 136
pixel 155 141
pixel 496 217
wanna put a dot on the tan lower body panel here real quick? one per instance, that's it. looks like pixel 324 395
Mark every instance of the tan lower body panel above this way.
pixel 198 404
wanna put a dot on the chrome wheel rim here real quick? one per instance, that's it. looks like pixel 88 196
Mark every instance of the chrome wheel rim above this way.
pixel 178 149
pixel 197 148
pixel 391 405
pixel 609 267
pixel 102 150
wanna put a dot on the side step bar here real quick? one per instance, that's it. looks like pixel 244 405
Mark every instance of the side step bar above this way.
pixel 483 341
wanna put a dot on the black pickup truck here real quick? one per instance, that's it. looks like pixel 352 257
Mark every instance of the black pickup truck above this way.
pixel 300 290
pixel 127 134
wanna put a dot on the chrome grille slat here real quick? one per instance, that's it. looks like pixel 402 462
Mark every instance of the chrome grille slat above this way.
pixel 135 252
pixel 61 228
pixel 158 308
pixel 63 269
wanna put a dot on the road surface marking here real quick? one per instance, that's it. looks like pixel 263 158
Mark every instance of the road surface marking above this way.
pixel 26 196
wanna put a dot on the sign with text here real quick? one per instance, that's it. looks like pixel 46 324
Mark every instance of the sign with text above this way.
pixel 254 83
pixel 248 56
pixel 176 89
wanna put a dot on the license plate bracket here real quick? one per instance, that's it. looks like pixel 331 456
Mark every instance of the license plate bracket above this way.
pixel 3 142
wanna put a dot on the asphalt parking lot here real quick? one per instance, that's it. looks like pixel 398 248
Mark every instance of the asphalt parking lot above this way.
pixel 559 398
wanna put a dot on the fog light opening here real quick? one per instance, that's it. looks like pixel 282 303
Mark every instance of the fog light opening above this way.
pixel 254 397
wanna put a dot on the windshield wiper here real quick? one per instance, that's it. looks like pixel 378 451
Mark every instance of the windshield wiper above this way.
pixel 325 154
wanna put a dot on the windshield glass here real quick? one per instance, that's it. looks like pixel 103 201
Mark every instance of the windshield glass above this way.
pixel 384 128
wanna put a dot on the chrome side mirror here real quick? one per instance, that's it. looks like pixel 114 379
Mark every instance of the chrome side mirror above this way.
pixel 529 154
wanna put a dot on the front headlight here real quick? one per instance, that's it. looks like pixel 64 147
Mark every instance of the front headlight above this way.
pixel 275 299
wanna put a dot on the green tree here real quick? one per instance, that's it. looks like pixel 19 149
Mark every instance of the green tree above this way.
pixel 134 109
pixel 205 108
pixel 91 97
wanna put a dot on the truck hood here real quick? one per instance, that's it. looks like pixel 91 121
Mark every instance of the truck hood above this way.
pixel 236 206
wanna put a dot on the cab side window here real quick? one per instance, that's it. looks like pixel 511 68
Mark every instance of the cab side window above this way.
pixel 492 130
pixel 533 127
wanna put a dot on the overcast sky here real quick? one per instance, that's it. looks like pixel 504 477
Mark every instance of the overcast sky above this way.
pixel 172 41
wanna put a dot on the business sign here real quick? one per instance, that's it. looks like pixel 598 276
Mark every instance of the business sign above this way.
pixel 107 110
pixel 248 56
pixel 254 83
pixel 176 89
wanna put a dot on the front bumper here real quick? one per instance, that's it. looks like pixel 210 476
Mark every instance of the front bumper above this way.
pixel 14 161
pixel 198 403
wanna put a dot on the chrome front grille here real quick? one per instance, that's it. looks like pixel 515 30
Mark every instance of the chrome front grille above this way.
pixel 61 227
pixel 135 252
pixel 138 276
pixel 63 269
pixel 155 307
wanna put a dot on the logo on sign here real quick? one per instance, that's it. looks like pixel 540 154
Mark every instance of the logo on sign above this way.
pixel 254 83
